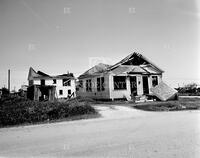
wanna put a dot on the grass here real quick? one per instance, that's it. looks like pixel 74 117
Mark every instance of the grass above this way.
pixel 181 104
pixel 189 94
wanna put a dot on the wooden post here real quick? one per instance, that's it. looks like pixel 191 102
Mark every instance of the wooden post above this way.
pixel 9 80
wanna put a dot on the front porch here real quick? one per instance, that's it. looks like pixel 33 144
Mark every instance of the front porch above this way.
pixel 132 85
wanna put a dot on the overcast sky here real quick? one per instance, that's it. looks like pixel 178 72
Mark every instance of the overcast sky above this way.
pixel 56 36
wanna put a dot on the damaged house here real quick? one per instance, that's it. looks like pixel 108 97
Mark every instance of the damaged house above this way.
pixel 134 75
pixel 45 87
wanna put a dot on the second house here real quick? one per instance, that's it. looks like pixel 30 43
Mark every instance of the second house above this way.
pixel 45 87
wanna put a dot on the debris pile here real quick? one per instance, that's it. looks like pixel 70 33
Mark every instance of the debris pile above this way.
pixel 164 92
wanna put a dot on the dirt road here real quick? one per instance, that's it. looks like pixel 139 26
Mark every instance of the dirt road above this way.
pixel 121 132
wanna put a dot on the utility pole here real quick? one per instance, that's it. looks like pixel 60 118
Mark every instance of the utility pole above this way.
pixel 9 80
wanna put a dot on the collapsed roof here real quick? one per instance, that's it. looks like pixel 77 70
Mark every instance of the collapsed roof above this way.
pixel 136 59
pixel 164 92
pixel 41 75
pixel 134 63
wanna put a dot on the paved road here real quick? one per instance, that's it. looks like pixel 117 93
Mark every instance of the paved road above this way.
pixel 122 132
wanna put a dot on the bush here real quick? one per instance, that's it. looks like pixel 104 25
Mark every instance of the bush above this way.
pixel 15 111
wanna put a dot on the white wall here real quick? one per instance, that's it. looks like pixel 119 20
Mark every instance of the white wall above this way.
pixel 94 93
pixel 59 86
pixel 36 82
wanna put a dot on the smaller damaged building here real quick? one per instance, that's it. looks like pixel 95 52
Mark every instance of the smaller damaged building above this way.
pixel 43 87
pixel 134 75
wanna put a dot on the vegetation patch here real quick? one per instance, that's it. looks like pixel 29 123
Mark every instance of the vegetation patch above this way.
pixel 181 104
pixel 15 111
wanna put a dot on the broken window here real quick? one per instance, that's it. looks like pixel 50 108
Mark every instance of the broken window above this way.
pixel 154 81
pixel 88 85
pixel 60 92
pixel 66 82
pixel 42 82
pixel 54 81
pixel 119 82
pixel 100 84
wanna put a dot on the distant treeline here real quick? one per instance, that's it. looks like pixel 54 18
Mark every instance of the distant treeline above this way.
pixel 189 89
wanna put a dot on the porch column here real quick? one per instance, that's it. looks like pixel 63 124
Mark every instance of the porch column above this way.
pixel 139 85
pixel 150 83
pixel 128 86
pixel 110 84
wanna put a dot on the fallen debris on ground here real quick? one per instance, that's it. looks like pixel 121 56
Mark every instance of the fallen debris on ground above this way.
pixel 164 92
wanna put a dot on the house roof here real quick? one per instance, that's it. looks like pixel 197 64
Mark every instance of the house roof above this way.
pixel 133 69
pixel 32 74
pixel 133 63
pixel 150 69
pixel 136 59
pixel 41 75
pixel 95 70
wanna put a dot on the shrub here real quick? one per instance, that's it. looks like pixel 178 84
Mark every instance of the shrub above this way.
pixel 15 111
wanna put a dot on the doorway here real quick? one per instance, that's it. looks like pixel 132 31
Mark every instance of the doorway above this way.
pixel 145 85
pixel 133 84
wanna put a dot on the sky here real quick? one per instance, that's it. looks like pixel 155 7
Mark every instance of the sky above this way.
pixel 57 36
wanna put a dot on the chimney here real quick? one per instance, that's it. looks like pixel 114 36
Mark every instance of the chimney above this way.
pixel 9 80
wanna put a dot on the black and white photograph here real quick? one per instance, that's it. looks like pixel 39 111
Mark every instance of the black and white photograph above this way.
pixel 99 78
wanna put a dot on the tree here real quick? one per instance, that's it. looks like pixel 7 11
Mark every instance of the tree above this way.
pixel 5 91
